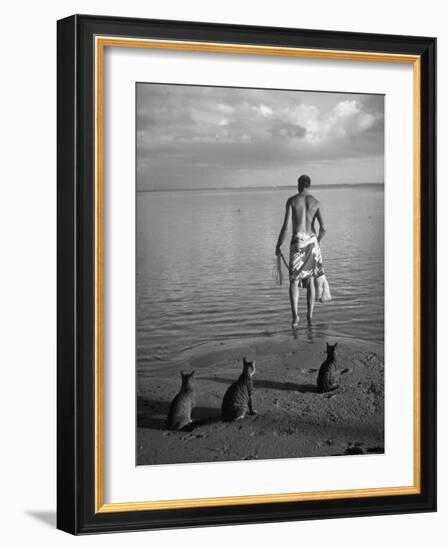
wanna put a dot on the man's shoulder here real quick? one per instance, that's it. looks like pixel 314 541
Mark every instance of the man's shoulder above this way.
pixel 313 200
pixel 292 199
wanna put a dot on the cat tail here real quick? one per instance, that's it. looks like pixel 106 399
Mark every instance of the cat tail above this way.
pixel 188 427
pixel 208 421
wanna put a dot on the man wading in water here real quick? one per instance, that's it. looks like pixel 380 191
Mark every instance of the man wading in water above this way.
pixel 305 258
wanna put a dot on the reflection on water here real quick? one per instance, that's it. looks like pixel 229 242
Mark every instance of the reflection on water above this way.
pixel 204 270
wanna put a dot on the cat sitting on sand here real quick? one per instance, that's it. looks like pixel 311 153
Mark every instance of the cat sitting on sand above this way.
pixel 327 377
pixel 182 405
pixel 238 397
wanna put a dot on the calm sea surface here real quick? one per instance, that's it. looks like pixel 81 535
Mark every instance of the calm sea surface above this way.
pixel 204 270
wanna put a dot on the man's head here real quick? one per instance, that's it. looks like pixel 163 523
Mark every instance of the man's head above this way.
pixel 303 182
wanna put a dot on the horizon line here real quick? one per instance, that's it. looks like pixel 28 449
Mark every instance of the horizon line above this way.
pixel 256 188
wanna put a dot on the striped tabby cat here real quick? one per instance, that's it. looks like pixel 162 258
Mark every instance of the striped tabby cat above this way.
pixel 182 405
pixel 327 377
pixel 238 397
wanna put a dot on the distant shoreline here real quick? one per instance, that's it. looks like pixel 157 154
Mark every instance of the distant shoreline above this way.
pixel 267 187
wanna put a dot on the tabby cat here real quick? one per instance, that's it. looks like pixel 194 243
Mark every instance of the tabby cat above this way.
pixel 182 405
pixel 327 377
pixel 238 397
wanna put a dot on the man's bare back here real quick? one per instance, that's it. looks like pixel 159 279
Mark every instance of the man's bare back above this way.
pixel 304 209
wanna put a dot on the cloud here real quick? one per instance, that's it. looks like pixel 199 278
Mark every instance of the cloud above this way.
pixel 221 130
pixel 284 129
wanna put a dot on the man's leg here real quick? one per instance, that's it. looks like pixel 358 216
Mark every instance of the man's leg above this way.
pixel 294 299
pixel 310 297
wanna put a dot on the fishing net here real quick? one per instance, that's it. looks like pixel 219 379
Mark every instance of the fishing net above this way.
pixel 323 290
pixel 277 272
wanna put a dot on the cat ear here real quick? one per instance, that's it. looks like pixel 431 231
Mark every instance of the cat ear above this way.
pixel 328 346
pixel 335 345
pixel 244 361
pixel 182 373
pixel 192 373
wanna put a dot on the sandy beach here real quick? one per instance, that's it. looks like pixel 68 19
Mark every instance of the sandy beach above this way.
pixel 292 420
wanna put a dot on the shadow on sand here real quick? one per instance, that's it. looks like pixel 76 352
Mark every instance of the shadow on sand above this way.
pixel 273 385
pixel 152 414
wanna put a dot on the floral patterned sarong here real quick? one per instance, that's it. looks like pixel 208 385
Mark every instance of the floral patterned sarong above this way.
pixel 305 257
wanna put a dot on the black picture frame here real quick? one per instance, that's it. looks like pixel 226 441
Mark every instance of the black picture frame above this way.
pixel 76 512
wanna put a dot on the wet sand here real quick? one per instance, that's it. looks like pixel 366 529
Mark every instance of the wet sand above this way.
pixel 292 420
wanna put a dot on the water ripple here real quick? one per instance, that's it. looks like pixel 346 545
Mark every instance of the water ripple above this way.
pixel 204 273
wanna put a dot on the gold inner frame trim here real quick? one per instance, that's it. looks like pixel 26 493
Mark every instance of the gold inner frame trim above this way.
pixel 101 42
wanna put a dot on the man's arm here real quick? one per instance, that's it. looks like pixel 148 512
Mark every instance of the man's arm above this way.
pixel 284 228
pixel 320 219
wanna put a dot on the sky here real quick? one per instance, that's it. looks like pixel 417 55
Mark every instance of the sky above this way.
pixel 191 137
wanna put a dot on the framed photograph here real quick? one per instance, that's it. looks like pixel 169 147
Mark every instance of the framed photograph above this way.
pixel 246 274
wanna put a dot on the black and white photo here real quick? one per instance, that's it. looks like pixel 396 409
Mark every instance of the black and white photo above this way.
pixel 259 273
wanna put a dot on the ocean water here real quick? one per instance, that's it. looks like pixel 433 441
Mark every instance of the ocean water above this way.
pixel 205 261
